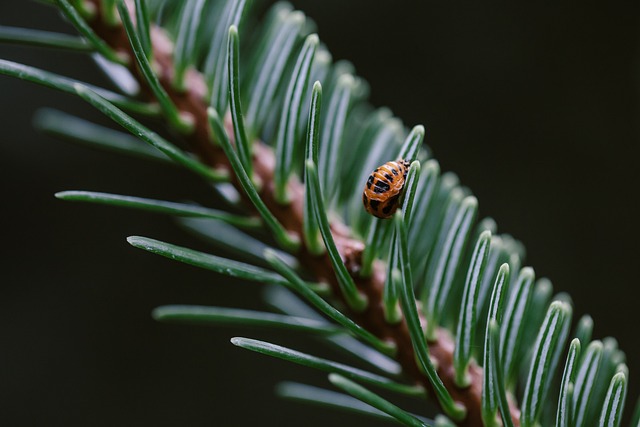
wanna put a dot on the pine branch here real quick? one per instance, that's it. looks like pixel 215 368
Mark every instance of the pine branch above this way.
pixel 190 101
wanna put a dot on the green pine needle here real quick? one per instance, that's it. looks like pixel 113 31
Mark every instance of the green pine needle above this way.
pixel 542 292
pixel 209 262
pixel 288 128
pixel 201 315
pixel 635 417
pixel 422 213
pixel 30 37
pixel 310 224
pixel 243 144
pixel 325 365
pixel 376 401
pixel 468 317
pixel 611 415
pixel 564 416
pixel 498 380
pixel 412 144
pixel 491 390
pixel 327 398
pixel 159 206
pixel 513 325
pixel 410 188
pixel 390 297
pixel 74 129
pixel 217 264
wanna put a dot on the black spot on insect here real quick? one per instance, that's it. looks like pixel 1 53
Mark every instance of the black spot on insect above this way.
pixel 364 200
pixel 381 187
pixel 389 177
pixel 390 204
pixel 374 204
pixel 406 164
pixel 370 181
pixel 394 171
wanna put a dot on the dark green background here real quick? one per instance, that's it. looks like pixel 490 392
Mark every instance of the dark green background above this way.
pixel 534 107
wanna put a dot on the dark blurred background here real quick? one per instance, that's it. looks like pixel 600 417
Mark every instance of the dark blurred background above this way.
pixel 535 107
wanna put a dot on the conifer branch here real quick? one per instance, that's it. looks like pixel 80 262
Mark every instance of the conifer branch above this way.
pixel 191 101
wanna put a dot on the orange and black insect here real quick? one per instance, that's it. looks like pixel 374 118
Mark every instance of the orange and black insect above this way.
pixel 381 196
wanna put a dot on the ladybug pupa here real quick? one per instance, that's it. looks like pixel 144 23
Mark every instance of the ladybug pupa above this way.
pixel 381 195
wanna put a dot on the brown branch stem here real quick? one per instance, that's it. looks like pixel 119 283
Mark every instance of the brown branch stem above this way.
pixel 192 101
